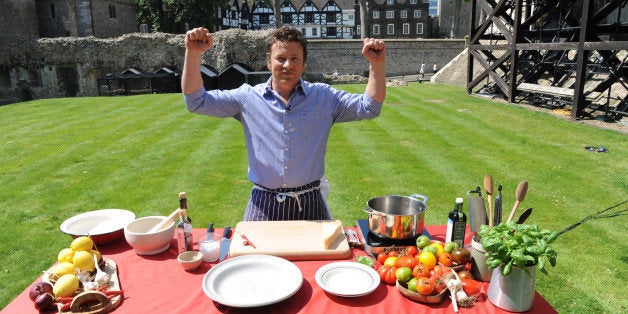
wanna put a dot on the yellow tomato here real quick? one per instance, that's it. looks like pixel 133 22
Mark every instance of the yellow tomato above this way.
pixel 427 259
pixel 390 261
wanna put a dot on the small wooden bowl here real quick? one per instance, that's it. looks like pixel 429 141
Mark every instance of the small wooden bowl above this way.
pixel 438 298
pixel 455 268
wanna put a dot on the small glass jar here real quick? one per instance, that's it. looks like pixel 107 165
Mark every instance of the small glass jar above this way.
pixel 210 248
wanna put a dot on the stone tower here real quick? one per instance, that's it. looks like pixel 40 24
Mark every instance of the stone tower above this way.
pixel 19 18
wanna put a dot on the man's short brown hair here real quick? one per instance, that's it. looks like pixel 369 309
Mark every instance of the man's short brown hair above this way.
pixel 288 34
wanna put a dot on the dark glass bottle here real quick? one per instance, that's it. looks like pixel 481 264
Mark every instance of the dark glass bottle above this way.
pixel 184 227
pixel 456 224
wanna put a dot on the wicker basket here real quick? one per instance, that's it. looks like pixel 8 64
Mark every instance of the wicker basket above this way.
pixel 438 298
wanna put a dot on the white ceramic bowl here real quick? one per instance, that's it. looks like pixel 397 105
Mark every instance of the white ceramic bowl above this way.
pixel 145 243
pixel 103 226
pixel 190 260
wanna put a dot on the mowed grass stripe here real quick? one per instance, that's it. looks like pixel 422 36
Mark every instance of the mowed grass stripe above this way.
pixel 140 151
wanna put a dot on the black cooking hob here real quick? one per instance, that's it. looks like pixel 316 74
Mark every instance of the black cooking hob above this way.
pixel 374 244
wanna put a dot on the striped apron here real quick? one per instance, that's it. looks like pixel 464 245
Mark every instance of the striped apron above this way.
pixel 302 203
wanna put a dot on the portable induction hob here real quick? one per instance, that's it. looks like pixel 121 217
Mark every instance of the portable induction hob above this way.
pixel 374 244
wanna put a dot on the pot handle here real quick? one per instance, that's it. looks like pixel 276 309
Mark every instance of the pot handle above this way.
pixel 368 210
pixel 420 197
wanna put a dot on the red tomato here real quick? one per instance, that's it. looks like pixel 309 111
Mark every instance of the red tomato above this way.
pixel 381 257
pixel 424 286
pixel 412 250
pixel 393 253
pixel 437 271
pixel 387 274
pixel 439 284
pixel 420 271
pixel 406 261
pixel 445 259
pixel 470 286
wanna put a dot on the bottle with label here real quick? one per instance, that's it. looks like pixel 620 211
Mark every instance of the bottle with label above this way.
pixel 456 224
pixel 184 227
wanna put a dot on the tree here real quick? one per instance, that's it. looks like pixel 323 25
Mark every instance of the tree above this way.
pixel 363 16
pixel 176 16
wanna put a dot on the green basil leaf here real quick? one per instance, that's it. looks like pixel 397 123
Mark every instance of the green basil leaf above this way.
pixel 506 269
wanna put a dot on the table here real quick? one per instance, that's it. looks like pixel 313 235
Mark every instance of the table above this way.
pixel 157 284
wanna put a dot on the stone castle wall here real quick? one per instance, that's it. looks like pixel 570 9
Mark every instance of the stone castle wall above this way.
pixel 71 66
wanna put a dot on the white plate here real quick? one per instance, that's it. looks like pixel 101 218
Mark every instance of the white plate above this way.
pixel 347 279
pixel 97 222
pixel 252 280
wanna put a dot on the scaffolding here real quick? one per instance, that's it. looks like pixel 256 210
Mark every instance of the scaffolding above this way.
pixel 566 53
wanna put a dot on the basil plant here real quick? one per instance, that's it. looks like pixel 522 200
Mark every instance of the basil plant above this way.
pixel 511 244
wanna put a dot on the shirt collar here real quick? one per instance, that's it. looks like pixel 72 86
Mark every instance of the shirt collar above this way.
pixel 301 87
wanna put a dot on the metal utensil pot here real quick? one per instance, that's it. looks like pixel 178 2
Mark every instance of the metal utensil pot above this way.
pixel 397 217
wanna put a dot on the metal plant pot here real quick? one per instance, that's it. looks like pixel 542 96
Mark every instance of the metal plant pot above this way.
pixel 515 292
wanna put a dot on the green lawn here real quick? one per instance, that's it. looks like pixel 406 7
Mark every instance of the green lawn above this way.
pixel 61 157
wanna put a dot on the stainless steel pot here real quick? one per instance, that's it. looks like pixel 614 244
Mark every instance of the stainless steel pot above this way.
pixel 397 217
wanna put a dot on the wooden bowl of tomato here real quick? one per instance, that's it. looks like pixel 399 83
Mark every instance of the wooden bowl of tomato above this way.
pixel 415 296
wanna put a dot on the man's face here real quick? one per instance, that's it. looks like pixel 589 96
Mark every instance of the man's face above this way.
pixel 286 64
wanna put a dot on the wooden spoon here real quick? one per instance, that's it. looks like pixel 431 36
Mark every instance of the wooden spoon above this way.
pixel 488 186
pixel 520 194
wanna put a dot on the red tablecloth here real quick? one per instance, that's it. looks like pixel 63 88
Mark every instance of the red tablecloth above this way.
pixel 157 284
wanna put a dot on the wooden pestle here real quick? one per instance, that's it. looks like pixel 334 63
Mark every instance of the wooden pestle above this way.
pixel 160 225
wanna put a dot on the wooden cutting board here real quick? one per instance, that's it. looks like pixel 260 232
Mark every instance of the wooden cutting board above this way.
pixel 292 240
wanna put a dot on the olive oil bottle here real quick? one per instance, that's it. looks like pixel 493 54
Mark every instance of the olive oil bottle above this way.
pixel 184 227
pixel 456 224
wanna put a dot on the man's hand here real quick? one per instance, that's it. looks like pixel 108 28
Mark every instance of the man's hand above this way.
pixel 374 50
pixel 198 40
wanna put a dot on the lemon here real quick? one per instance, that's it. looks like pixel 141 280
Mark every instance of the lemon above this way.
pixel 66 286
pixel 83 243
pixel 66 255
pixel 62 268
pixel 83 260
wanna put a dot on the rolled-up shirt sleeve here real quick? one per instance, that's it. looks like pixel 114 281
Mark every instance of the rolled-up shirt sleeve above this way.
pixel 217 103
pixel 353 107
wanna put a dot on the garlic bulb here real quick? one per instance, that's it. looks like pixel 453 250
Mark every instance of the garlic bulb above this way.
pixel 101 278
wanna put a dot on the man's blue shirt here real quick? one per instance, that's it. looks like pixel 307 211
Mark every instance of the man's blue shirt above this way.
pixel 286 144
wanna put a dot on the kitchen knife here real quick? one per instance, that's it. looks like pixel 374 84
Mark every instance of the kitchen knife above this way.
pixel 497 217
pixel 210 232
pixel 524 216
pixel 225 243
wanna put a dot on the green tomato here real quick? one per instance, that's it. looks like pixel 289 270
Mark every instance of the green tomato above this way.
pixel 422 241
pixel 412 284
pixel 403 274
pixel 450 246
pixel 430 248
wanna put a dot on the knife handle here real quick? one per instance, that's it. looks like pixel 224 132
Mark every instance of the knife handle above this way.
pixel 226 232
